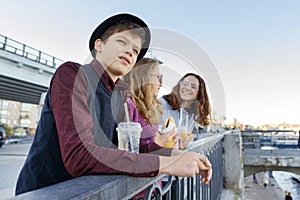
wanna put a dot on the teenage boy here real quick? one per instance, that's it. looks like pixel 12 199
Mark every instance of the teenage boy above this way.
pixel 76 133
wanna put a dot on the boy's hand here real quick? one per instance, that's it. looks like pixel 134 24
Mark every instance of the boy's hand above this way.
pixel 187 164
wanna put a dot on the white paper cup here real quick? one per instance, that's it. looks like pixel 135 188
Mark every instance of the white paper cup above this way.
pixel 129 134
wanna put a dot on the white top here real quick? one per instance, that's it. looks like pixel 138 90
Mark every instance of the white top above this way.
pixel 266 178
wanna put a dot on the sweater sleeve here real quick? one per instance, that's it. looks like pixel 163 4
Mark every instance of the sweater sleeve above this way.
pixel 74 124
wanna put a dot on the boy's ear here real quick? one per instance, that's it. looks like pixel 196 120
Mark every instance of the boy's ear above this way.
pixel 98 45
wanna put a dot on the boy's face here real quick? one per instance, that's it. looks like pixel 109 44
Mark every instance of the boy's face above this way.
pixel 118 53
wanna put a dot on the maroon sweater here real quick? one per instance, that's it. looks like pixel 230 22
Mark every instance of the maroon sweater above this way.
pixel 74 126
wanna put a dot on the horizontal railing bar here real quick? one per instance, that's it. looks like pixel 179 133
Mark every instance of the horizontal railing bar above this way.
pixel 28 52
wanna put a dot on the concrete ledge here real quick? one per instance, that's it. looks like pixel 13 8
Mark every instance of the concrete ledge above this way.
pixel 91 187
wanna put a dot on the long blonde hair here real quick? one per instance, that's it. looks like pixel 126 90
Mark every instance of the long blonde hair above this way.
pixel 142 90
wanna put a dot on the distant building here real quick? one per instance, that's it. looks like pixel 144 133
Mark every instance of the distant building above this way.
pixel 17 114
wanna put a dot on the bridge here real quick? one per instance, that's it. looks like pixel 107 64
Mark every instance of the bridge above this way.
pixel 25 72
pixel 260 155
pixel 256 160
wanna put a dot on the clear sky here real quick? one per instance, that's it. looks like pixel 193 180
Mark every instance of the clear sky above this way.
pixel 254 44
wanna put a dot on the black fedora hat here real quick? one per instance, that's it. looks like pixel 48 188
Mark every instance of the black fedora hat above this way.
pixel 113 20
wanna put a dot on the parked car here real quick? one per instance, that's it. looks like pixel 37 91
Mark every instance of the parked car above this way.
pixel 19 132
pixel 2 136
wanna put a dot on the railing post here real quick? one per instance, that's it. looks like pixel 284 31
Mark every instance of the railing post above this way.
pixel 23 51
pixel 5 42
pixel 198 191
pixel 53 64
pixel 175 194
pixel 233 163
pixel 39 58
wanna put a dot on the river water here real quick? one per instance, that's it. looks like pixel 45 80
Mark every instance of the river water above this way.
pixel 285 181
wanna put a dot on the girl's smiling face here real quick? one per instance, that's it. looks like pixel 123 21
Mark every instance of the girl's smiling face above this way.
pixel 189 88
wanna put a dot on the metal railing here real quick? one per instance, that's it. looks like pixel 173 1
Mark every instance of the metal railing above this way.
pixel 192 188
pixel 125 187
pixel 28 52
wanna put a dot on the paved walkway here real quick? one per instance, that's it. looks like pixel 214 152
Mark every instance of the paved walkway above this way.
pixel 256 191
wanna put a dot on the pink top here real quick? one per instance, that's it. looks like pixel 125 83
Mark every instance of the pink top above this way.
pixel 148 133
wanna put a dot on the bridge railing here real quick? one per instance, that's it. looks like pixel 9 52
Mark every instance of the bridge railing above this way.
pixel 28 52
pixel 125 187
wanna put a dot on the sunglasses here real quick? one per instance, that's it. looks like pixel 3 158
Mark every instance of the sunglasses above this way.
pixel 158 76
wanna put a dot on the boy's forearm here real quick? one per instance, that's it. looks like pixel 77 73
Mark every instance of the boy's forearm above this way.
pixel 176 152
pixel 164 162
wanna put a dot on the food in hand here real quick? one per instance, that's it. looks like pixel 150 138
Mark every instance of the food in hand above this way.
pixel 167 123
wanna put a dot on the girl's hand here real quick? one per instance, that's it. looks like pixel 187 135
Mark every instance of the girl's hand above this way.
pixel 163 139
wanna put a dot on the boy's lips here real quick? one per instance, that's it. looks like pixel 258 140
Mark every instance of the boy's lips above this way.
pixel 125 59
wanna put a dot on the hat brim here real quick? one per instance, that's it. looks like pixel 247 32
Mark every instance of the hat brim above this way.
pixel 115 20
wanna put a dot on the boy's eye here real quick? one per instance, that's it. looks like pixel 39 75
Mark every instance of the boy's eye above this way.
pixel 136 51
pixel 121 42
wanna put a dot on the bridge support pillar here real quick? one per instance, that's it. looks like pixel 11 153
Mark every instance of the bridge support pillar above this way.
pixel 233 163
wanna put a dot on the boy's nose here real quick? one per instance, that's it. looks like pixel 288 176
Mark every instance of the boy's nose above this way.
pixel 129 51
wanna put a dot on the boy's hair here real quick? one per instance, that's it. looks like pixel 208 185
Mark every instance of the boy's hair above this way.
pixel 142 90
pixel 124 25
